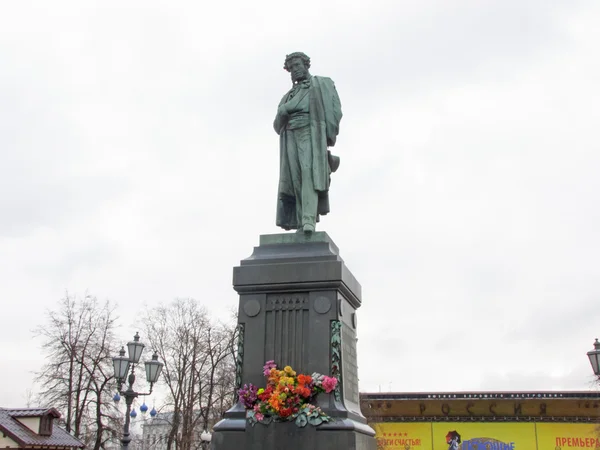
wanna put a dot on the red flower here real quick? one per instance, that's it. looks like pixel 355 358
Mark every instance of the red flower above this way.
pixel 265 395
pixel 285 412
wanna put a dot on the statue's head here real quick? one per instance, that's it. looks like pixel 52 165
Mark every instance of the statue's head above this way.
pixel 297 64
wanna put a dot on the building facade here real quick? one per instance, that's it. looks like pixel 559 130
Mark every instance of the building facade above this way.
pixel 29 428
pixel 155 431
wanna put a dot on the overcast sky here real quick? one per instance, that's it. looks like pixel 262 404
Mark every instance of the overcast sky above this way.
pixel 138 162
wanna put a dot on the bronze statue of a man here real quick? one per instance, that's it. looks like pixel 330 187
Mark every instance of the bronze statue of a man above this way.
pixel 307 121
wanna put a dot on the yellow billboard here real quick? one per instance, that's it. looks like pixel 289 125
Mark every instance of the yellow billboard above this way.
pixel 568 436
pixel 483 436
pixel 403 435
pixel 486 436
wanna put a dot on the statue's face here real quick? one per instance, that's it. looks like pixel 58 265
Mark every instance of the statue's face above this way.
pixel 297 69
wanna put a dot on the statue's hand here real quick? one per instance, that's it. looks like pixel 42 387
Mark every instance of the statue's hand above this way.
pixel 282 110
pixel 281 119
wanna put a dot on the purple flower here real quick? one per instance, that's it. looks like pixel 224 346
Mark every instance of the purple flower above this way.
pixel 248 395
pixel 268 366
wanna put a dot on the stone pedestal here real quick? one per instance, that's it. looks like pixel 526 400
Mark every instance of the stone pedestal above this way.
pixel 298 303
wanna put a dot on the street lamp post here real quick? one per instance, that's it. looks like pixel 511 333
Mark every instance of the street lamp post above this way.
pixel 594 356
pixel 205 439
pixel 121 365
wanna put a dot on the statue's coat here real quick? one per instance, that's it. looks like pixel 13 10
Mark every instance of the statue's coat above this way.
pixel 325 113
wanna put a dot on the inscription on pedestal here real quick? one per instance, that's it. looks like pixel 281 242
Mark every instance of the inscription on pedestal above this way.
pixel 350 367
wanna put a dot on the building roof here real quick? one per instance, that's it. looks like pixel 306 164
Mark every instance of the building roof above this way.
pixel 479 395
pixel 25 437
pixel 565 406
pixel 32 412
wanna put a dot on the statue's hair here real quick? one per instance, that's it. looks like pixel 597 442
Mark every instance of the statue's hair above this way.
pixel 303 56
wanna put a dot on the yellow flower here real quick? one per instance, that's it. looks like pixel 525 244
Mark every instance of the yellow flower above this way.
pixel 275 375
pixel 260 391
pixel 288 370
pixel 286 381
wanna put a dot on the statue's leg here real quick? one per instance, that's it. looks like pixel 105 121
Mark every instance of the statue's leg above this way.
pixel 295 172
pixel 310 198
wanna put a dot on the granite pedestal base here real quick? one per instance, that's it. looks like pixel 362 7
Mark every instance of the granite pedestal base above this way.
pixel 298 303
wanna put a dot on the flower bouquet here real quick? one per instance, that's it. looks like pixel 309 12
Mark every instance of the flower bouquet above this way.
pixel 287 397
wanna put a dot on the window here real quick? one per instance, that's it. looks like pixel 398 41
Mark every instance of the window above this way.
pixel 46 425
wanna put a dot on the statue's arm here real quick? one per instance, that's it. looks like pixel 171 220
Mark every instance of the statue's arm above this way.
pixel 333 109
pixel 337 116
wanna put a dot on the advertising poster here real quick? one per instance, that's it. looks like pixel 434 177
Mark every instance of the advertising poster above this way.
pixel 486 436
pixel 568 436
pixel 483 436
pixel 403 435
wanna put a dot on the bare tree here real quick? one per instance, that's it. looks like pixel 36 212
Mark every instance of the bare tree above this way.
pixel 198 357
pixel 218 378
pixel 78 343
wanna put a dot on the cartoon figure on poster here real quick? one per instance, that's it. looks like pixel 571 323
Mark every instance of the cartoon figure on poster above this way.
pixel 453 439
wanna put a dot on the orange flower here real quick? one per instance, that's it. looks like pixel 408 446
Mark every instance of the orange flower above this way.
pixel 304 379
pixel 303 391
pixel 275 402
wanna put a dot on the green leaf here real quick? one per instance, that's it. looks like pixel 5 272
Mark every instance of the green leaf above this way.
pixel 301 421
pixel 315 421
pixel 267 420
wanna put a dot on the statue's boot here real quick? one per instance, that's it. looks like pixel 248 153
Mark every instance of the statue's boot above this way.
pixel 308 228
